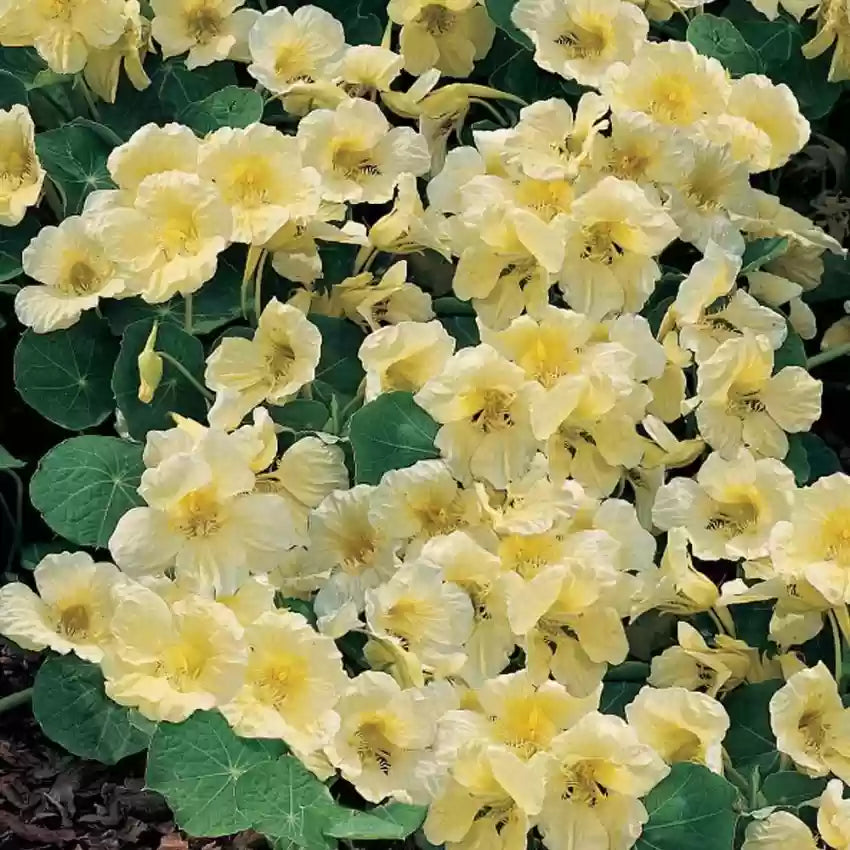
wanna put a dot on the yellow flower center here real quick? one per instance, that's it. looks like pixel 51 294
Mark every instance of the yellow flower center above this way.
pixel 56 9
pixel 599 245
pixel 357 554
pixel 524 726
pixel 280 679
pixel 733 518
pixel 373 744
pixel 672 100
pixel 75 621
pixel 354 163
pixel 494 412
pixel 812 729
pixel 437 20
pixel 198 514
pixel 82 279
pixel 409 619
pixel 580 785
pixel 17 168
pixel 583 41
pixel 183 663
pixel 293 64
pixel 835 537
pixel 203 23
pixel 279 359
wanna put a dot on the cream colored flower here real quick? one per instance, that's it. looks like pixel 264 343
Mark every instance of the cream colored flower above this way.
pixel 258 173
pixel 404 356
pixel 779 831
pixel 170 661
pixel 293 680
pixel 172 236
pixel 383 746
pixel 153 150
pixel 72 610
pixel 680 725
pixel 482 402
pixel 203 519
pixel 367 68
pixel 449 35
pixel 731 506
pixel 210 30
pixel 275 364
pixel 75 272
pixel 811 724
pixel 741 402
pixel 21 174
pixel 358 154
pixel 599 769
pixel 834 816
pixel 581 39
pixel 290 48
pixel 833 21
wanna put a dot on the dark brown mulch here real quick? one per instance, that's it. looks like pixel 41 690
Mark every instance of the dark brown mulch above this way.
pixel 50 799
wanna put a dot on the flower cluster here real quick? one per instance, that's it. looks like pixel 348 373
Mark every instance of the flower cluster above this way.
pixel 611 445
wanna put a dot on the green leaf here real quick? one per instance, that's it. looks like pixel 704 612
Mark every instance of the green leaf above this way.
pixel 394 821
pixel 822 459
pixel 835 281
pixel 74 157
pixel 301 415
pixel 177 87
pixel 216 304
pixel 339 365
pixel 760 252
pixel 500 13
pixel 65 375
pixel 13 240
pixel 83 486
pixel 792 352
pixel 775 42
pixel 72 709
pixel 229 107
pixel 691 809
pixel 175 393
pixel 797 460
pixel 284 800
pixel 12 90
pixel 719 38
pixel 616 696
pixel 9 461
pixel 463 328
pixel 807 78
pixel 196 766
pixel 750 735
pixel 391 432
pixel 790 789
pixel 27 67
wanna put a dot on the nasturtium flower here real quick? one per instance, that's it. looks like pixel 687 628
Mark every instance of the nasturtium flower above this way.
pixel 171 236
pixel 21 174
pixel 742 403
pixel 293 680
pixel 833 19
pixel 72 610
pixel 404 356
pixel 680 725
pixel 288 48
pixel 279 360
pixel 152 150
pixel 210 30
pixel 358 154
pixel 172 660
pixel 448 35
pixel 367 68
pixel 257 171
pixel 730 508
pixel 64 33
pixel 598 770
pixel 581 39
pixel 204 519
pixel 811 725
pixel 834 816
pixel 481 401
pixel 384 745
pixel 779 831
pixel 73 268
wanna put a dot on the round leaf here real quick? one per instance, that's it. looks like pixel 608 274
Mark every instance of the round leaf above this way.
pixel 689 810
pixel 195 765
pixel 339 365
pixel 391 432
pixel 750 735
pixel 230 107
pixel 718 37
pixel 500 12
pixel 72 709
pixel 13 240
pixel 394 821
pixel 85 485
pixel 175 393
pixel 66 375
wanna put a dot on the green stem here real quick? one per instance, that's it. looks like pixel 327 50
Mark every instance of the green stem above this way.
pixel 15 700
pixel 258 286
pixel 828 355
pixel 54 199
pixel 491 109
pixel 92 106
pixel 718 623
pixel 187 375
pixel 18 519
pixel 187 316
pixel 836 643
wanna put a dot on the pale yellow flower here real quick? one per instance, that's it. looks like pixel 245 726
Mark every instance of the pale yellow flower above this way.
pixel 779 831
pixel 21 174
pixel 833 19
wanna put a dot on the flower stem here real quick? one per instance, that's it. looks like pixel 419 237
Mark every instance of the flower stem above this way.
pixel 258 286
pixel 187 375
pixel 827 356
pixel 92 106
pixel 187 320
pixel 718 623
pixel 15 700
